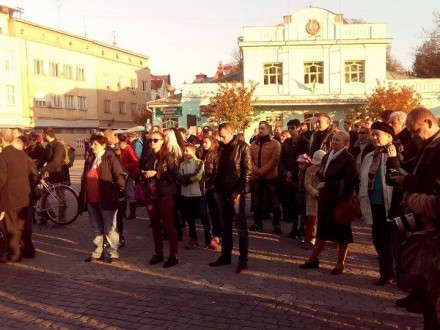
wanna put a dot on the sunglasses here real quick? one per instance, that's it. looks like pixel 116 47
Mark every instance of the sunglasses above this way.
pixel 154 140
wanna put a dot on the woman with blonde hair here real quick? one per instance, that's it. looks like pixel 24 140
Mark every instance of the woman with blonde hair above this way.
pixel 337 177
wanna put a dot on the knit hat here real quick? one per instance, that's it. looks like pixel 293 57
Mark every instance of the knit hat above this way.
pixel 304 158
pixel 384 127
pixel 317 157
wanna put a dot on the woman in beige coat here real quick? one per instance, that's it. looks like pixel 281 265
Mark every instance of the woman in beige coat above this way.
pixel 312 200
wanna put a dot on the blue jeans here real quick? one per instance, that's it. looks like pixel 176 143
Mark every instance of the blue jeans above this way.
pixel 229 212
pixel 104 224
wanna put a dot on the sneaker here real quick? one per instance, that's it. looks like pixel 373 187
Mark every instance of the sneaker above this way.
pixel 277 230
pixel 255 227
pixel 214 245
pixel 191 245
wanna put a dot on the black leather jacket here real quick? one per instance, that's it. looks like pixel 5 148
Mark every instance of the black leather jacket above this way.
pixel 235 177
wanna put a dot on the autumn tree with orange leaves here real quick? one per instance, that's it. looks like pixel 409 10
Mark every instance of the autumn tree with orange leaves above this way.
pixel 233 104
pixel 391 97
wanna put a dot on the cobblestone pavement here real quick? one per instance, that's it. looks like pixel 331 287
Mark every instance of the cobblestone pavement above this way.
pixel 59 290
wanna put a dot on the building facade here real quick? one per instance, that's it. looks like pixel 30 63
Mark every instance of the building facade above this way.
pixel 73 84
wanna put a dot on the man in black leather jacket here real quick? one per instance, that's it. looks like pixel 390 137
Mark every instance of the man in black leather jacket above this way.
pixel 230 186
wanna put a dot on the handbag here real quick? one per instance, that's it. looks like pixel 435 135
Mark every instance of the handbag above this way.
pixel 346 210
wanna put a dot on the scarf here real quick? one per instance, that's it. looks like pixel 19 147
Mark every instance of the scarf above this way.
pixel 375 163
pixel 331 156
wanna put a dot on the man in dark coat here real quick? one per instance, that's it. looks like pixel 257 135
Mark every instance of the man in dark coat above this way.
pixel 322 138
pixel 55 155
pixel 16 175
pixel 230 185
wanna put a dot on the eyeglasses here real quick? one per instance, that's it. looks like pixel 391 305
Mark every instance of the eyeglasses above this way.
pixel 154 140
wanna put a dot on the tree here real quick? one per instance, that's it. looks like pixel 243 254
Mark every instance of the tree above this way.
pixel 391 97
pixel 142 115
pixel 237 57
pixel 427 57
pixel 393 64
pixel 233 104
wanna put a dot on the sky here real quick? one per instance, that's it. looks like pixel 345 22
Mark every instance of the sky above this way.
pixel 187 37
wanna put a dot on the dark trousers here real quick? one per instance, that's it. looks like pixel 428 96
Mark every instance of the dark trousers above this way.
pixel 119 220
pixel 161 212
pixel 214 213
pixel 290 205
pixel 260 190
pixel 195 207
pixel 382 242
pixel 178 214
pixel 230 212
pixel 19 239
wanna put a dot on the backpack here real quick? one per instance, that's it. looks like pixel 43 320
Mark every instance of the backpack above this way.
pixel 417 262
pixel 69 155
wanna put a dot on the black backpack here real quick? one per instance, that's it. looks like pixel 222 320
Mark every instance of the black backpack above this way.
pixel 418 262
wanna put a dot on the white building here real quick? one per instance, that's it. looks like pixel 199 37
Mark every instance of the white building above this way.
pixel 313 62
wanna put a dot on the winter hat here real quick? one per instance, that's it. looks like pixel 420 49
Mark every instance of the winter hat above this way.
pixel 304 158
pixel 317 157
pixel 384 127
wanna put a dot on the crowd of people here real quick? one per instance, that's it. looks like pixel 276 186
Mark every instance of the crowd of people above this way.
pixel 299 175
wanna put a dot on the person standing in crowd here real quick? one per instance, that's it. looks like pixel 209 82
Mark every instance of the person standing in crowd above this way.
pixel 376 195
pixel 209 157
pixel 102 183
pixel 277 133
pixel 292 147
pixel 337 166
pixel 54 159
pixel 191 179
pixel 284 136
pixel 322 138
pixel 353 134
pixel 265 156
pixel 159 181
pixel 17 177
pixel 231 185
pixel 35 150
pixel 304 162
pixel 305 131
pixel 136 143
pixel 312 195
pixel 424 180
pixel 362 147
pixel 130 162
pixel 406 146
pixel 368 122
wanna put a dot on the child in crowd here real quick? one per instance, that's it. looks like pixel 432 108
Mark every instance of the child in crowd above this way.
pixel 191 179
pixel 311 200
pixel 303 163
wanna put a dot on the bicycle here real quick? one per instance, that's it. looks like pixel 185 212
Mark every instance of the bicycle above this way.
pixel 58 202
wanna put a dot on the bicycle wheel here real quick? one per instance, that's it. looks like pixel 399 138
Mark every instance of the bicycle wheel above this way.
pixel 3 242
pixel 61 204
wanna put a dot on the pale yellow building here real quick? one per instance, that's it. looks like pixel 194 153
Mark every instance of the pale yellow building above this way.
pixel 60 80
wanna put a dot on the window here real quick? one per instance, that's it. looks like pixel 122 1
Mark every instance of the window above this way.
pixel 313 72
pixel 122 108
pixel 107 80
pixel 70 101
pixel 9 61
pixel 56 101
pixel 10 94
pixel 81 74
pixel 39 67
pixel 107 106
pixel 40 103
pixel 273 74
pixel 82 103
pixel 54 69
pixel 355 71
pixel 134 109
pixel 133 84
pixel 68 72
pixel 120 82
pixel 144 85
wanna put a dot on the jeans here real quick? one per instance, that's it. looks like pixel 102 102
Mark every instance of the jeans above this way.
pixel 233 211
pixel 195 207
pixel 260 190
pixel 214 213
pixel 104 224
pixel 129 190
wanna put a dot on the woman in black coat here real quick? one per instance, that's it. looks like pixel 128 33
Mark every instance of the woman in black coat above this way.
pixel 337 166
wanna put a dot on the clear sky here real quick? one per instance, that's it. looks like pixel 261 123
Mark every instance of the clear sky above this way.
pixel 186 37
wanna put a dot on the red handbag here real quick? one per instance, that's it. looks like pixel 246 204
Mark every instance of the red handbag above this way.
pixel 347 210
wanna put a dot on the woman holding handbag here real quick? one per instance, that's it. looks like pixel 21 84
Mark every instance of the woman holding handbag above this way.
pixel 159 175
pixel 338 171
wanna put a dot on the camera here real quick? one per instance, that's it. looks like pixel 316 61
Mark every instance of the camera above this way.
pixel 407 222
